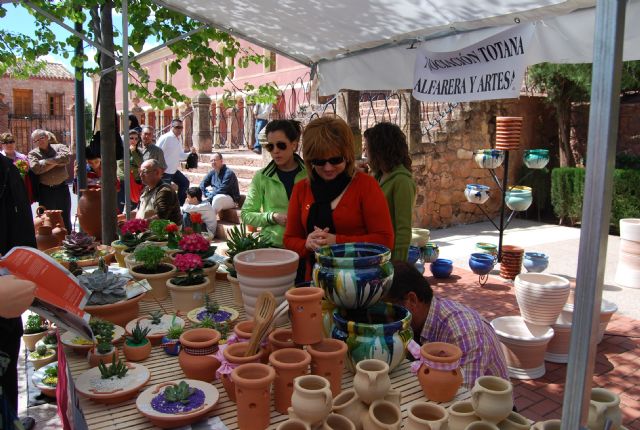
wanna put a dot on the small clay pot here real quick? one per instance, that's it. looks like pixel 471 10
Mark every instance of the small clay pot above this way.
pixel 289 364
pixel 422 415
pixel 371 380
pixel 293 424
pixel 461 414
pixel 492 398
pixel 234 354
pixel 349 405
pixel 440 375
pixel 327 360
pixel 95 358
pixel 338 422
pixel 137 352
pixel 281 338
pixel 305 311
pixel 382 415
pixel 243 331
pixel 197 354
pixel 253 387
pixel 311 400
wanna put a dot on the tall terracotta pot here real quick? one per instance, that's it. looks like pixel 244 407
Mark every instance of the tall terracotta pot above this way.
pixel 234 356
pixel 289 364
pixel 305 311
pixel 440 375
pixel 158 281
pixel 327 360
pixel 59 232
pixel 45 239
pixel 197 355
pixel 253 387
pixel 281 338
pixel 89 212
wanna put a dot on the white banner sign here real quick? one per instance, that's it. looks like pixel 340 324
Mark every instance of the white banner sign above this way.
pixel 491 69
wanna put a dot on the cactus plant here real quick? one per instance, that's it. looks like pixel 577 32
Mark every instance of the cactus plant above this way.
pixel 178 392
pixel 156 317
pixel 240 240
pixel 118 369
pixel 103 332
pixel 174 332
pixel 42 350
pixel 138 335
pixel 79 244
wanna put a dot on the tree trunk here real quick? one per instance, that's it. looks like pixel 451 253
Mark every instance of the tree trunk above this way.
pixel 108 128
pixel 563 107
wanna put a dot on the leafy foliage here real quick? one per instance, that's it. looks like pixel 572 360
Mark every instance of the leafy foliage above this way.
pixel 158 227
pixel 212 307
pixel 116 369
pixel 138 335
pixel 240 240
pixel 34 325
pixel 51 376
pixel 50 339
pixel 178 392
pixel 150 256
pixel 174 332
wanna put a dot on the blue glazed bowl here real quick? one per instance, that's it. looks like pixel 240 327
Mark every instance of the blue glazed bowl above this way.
pixel 381 331
pixel 536 158
pixel 441 268
pixel 488 158
pixel 476 193
pixel 353 275
pixel 414 254
pixel 481 263
pixel 535 262
pixel 518 198
pixel 171 346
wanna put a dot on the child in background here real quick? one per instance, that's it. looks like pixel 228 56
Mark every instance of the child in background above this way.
pixel 194 204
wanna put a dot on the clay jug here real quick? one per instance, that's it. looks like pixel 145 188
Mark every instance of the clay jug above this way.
pixel 234 356
pixel 482 425
pixel 604 405
pixel 197 355
pixel 305 311
pixel 350 406
pixel 89 212
pixel 53 217
pixel 371 380
pixel 253 388
pixel 311 400
pixel 422 415
pixel 327 360
pixel 281 338
pixel 38 220
pixel 440 375
pixel 293 424
pixel 289 364
pixel 461 414
pixel 547 425
pixel 337 422
pixel 59 232
pixel 515 421
pixel 382 415
pixel 492 398
pixel 45 239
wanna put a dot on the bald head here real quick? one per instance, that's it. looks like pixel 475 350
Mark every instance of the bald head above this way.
pixel 150 173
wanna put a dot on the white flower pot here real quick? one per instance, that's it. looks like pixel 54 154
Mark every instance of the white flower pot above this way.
pixel 541 297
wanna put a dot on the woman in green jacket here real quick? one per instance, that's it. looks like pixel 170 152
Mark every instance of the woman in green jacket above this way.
pixel 268 197
pixel 389 160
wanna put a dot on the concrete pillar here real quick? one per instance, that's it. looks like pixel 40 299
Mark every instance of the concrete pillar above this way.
pixel 348 108
pixel 217 114
pixel 71 127
pixel 187 115
pixel 138 111
pixel 229 114
pixel 4 115
pixel 146 117
pixel 201 123
pixel 249 122
pixel 410 120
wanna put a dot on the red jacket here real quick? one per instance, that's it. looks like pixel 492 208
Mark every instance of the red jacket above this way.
pixel 362 215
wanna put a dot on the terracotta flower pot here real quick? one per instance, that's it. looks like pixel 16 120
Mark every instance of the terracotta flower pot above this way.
pixel 423 415
pixel 39 362
pixel 371 380
pixel 281 338
pixel 119 313
pixel 95 357
pixel 311 400
pixel 45 238
pixel 349 405
pixel 327 360
pixel 197 355
pixel 305 311
pixel 234 356
pixel 89 212
pixel 31 339
pixel 121 389
pixel 440 375
pixel 137 352
pixel 156 332
pixel 187 297
pixel 558 347
pixel 289 364
pixel 158 281
pixel 253 387
pixel 235 289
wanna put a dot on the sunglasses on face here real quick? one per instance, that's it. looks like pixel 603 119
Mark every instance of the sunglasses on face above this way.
pixel 270 146
pixel 177 126
pixel 10 142
pixel 334 161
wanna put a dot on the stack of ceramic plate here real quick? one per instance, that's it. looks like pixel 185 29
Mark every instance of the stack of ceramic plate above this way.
pixel 508 130
pixel 511 261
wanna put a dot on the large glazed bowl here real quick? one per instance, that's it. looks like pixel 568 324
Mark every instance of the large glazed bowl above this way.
pixel 381 331
pixel 488 158
pixel 536 158
pixel 476 193
pixel 518 198
pixel 353 275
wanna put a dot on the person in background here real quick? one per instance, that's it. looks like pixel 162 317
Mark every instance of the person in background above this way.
pixel 9 148
pixel 267 201
pixel 441 320
pixel 8 144
pixel 149 150
pixel 261 112
pixel 220 186
pixel 135 183
pixel 194 204
pixel 388 156
pixel 172 149
pixel 192 159
pixel 335 204
pixel 94 171
pixel 158 200
pixel 134 124
pixel 49 161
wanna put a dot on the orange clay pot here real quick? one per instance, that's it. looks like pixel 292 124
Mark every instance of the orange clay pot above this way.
pixel 440 375
pixel 234 354
pixel 327 360
pixel 137 352
pixel 95 358
pixel 305 311
pixel 289 364
pixel 281 338
pixel 243 331
pixel 197 354
pixel 253 394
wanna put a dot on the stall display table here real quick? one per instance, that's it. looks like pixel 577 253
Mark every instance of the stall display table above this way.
pixel 165 368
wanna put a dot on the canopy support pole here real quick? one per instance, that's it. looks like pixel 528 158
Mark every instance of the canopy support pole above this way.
pixel 125 108
pixel 596 209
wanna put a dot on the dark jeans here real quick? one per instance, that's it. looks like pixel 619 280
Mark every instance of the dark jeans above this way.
pixel 181 181
pixel 10 345
pixel 57 197
pixel 260 124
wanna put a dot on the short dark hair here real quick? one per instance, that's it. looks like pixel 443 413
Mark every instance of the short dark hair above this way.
pixel 406 279
pixel 90 154
pixel 195 192
pixel 387 147
pixel 290 127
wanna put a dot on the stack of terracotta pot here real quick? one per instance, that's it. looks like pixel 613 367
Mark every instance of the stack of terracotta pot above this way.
pixel 511 262
pixel 508 130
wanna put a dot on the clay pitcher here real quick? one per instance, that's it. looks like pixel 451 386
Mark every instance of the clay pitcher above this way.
pixel 197 355
pixel 423 415
pixel 492 398
pixel 440 375
pixel 461 414
pixel 350 406
pixel 311 400
pixel 327 360
pixel 53 217
pixel 234 356
pixel 371 380
pixel 45 239
pixel 89 212
pixel 38 220
pixel 515 421
pixel 59 232
pixel 305 311
pixel 382 415
pixel 603 406
pixel 289 364
pixel 253 387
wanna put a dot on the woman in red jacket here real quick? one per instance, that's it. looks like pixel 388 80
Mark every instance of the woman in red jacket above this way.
pixel 335 204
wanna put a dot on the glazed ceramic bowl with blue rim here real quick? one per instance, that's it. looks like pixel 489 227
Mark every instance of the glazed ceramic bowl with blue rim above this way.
pixel 481 263
pixel 381 331
pixel 477 193
pixel 487 248
pixel 518 198
pixel 535 262
pixel 536 158
pixel 488 158
pixel 430 252
pixel 441 268
pixel 353 275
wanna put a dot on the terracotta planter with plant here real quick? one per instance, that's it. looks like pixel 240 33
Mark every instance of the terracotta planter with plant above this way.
pixel 112 383
pixel 137 347
pixel 188 292
pixel 34 330
pixel 158 324
pixel 196 243
pixel 104 351
pixel 80 249
pixel 50 340
pixel 153 270
pixel 41 356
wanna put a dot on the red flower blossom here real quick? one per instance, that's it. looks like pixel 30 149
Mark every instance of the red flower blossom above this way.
pixel 134 226
pixel 171 228
pixel 196 217
pixel 194 243
pixel 187 262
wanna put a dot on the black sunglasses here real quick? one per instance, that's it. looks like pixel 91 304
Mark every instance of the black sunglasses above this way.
pixel 334 161
pixel 270 146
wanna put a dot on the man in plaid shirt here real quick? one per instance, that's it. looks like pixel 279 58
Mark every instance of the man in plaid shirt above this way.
pixel 442 320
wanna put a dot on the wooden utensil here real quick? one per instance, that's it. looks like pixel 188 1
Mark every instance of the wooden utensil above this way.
pixel 265 306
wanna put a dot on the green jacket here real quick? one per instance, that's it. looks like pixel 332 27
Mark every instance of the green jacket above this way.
pixel 135 160
pixel 267 196
pixel 400 191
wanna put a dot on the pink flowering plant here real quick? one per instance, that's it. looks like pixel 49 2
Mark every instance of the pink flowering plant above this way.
pixel 196 244
pixel 191 264
pixel 133 232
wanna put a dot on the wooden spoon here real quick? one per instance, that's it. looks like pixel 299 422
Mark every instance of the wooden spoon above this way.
pixel 265 306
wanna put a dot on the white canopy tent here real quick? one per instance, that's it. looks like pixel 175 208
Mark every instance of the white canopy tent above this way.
pixel 362 45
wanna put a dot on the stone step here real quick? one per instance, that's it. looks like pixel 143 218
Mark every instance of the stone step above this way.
pixel 241 171
pixel 235 158
pixel 195 178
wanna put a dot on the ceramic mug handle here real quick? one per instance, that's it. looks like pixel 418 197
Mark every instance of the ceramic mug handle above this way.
pixel 475 397
pixel 600 408
pixel 328 397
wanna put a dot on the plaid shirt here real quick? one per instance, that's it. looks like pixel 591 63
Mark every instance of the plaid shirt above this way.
pixel 452 322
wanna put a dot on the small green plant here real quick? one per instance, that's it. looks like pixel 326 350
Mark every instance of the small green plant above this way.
pixel 212 307
pixel 178 393
pixel 222 327
pixel 156 317
pixel 34 325
pixel 158 228
pixel 241 240
pixel 206 322
pixel 174 332
pixel 138 335
pixel 51 376
pixel 50 339
pixel 150 256
pixel 103 332
pixel 42 350
pixel 118 369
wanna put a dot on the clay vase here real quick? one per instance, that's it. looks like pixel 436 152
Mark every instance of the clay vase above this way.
pixel 515 421
pixel 547 425
pixel 234 355
pixel 327 360
pixel 382 415
pixel 49 218
pixel 371 380
pixel 604 405
pixel 281 338
pixel 311 400
pixel 440 375
pixel 492 398
pixel 253 387
pixel 305 312
pixel 95 358
pixel 337 422
pixel 461 414
pixel 45 239
pixel 89 210
pixel 59 232
pixel 350 406
pixel 293 424
pixel 289 364
pixel 197 356
pixel 423 415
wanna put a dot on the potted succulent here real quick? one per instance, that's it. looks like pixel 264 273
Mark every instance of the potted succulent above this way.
pixel 108 300
pixel 50 340
pixel 188 291
pixel 41 356
pixel 34 330
pixel 112 383
pixel 158 324
pixel 153 269
pixel 171 340
pixel 137 347
pixel 211 309
pixel 46 379
pixel 81 249
pixel 104 351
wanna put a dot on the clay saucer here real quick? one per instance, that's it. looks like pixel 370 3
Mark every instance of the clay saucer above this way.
pixel 81 345
pixel 39 375
pixel 157 331
pixel 114 390
pixel 193 315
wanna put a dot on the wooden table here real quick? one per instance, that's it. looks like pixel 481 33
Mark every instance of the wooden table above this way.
pixel 165 368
